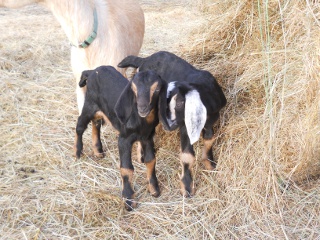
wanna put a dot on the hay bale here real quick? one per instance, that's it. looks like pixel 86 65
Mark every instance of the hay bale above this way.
pixel 270 65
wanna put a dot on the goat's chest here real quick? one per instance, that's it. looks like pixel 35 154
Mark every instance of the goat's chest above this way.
pixel 151 117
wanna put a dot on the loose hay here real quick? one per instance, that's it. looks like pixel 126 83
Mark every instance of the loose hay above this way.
pixel 267 181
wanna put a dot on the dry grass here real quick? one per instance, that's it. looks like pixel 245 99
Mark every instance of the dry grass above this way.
pixel 266 185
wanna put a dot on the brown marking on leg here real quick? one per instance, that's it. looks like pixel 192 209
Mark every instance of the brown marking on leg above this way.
pixel 206 153
pixel 96 142
pixel 150 168
pixel 187 185
pixel 100 115
pixel 127 189
pixel 127 172
pixel 152 180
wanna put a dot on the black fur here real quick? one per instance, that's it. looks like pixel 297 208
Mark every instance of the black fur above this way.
pixel 172 68
pixel 109 92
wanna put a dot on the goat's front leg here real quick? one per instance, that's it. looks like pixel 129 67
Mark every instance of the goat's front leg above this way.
pixel 126 171
pixel 187 159
pixel 96 140
pixel 150 161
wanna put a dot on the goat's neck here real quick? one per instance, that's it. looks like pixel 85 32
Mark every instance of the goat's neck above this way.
pixel 75 17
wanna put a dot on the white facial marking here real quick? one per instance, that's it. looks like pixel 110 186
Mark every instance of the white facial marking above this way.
pixel 171 86
pixel 195 115
pixel 172 106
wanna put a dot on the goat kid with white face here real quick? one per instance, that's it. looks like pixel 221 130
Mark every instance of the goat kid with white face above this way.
pixel 185 110
pixel 185 106
pixel 191 102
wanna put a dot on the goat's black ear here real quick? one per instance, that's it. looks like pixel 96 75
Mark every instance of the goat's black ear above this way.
pixel 131 61
pixel 125 103
pixel 84 78
pixel 162 106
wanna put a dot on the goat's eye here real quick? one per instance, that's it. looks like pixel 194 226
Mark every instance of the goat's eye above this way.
pixel 179 104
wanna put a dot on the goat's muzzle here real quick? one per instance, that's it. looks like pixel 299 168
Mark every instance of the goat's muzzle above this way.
pixel 173 125
pixel 143 111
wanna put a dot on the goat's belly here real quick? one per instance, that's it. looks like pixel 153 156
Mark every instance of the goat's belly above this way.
pixel 100 115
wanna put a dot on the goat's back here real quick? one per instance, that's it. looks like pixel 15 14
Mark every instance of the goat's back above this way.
pixel 210 91
pixel 169 66
pixel 104 85
pixel 172 68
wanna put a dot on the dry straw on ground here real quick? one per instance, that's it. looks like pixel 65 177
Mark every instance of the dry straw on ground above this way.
pixel 265 54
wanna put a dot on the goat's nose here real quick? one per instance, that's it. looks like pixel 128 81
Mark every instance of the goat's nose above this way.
pixel 142 108
pixel 143 111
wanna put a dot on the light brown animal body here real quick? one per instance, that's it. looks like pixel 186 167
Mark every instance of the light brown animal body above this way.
pixel 119 34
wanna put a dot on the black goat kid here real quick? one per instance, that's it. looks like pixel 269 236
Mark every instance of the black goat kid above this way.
pixel 113 99
pixel 192 103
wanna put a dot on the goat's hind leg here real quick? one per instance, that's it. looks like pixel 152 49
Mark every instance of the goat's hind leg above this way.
pixel 82 124
pixel 96 140
pixel 150 161
pixel 208 159
pixel 207 155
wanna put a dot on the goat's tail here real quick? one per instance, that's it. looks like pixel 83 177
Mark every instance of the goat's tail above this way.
pixel 131 61
pixel 84 78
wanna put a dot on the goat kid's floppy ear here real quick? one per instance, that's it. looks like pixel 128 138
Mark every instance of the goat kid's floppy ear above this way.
pixel 131 61
pixel 124 105
pixel 195 115
pixel 84 78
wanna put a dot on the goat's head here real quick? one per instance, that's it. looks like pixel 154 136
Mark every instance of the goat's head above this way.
pixel 144 89
pixel 183 105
